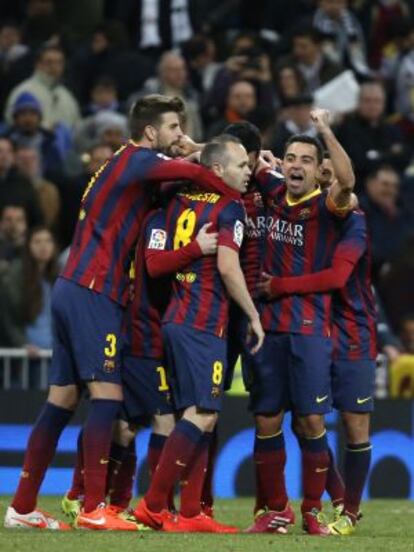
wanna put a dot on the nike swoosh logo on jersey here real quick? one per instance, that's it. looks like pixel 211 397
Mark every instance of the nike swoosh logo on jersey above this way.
pixel 179 463
pixel 321 470
pixel 103 461
pixel 362 401
pixel 100 521
pixel 321 399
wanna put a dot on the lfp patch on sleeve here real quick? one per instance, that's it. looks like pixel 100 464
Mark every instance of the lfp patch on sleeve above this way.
pixel 238 233
pixel 158 239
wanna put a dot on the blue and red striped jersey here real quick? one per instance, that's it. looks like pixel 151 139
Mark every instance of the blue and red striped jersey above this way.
pixel 199 298
pixel 251 252
pixel 300 239
pixel 113 207
pixel 354 310
pixel 150 297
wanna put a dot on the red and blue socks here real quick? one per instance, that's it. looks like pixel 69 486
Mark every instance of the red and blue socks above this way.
pixel 192 481
pixel 315 466
pixel 356 468
pixel 121 477
pixel 207 495
pixel 335 486
pixel 176 457
pixel 97 436
pixel 270 461
pixel 39 453
pixel 77 489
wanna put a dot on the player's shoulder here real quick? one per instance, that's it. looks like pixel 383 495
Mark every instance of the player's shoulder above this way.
pixel 231 205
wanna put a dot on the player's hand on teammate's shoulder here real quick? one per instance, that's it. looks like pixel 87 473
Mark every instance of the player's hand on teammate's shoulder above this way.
pixel 207 240
pixel 255 334
pixel 321 118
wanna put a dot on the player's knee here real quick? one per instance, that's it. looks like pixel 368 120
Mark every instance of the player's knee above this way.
pixel 123 433
pixel 163 424
pixel 105 390
pixel 268 424
pixel 312 425
pixel 203 419
pixel 356 427
pixel 65 396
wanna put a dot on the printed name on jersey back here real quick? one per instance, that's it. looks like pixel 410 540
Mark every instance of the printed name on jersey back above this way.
pixel 158 239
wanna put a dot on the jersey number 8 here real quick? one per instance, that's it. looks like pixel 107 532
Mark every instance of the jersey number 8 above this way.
pixel 185 227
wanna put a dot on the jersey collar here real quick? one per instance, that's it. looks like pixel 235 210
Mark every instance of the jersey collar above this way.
pixel 292 202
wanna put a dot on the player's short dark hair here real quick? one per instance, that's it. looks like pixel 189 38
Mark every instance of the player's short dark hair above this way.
pixel 304 139
pixel 148 111
pixel 215 151
pixel 247 133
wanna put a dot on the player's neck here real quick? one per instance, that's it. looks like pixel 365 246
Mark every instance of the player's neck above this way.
pixel 143 143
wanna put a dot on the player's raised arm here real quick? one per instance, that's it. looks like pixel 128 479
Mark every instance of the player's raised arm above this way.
pixel 340 193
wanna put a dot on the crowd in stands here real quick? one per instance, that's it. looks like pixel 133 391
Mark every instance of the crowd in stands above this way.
pixel 69 72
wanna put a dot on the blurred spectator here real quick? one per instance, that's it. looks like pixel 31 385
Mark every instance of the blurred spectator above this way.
pixel 106 54
pixel 28 165
pixel 15 188
pixel 73 189
pixel 11 47
pixel 157 26
pixel 402 369
pixel 404 99
pixel 388 223
pixel 27 131
pixel 307 54
pixel 279 16
pixel 13 229
pixel 297 120
pixel 106 127
pixel 388 342
pixel 290 84
pixel 57 102
pixel 246 62
pixel 342 34
pixel 326 174
pixel 25 294
pixel 386 14
pixel 199 53
pixel 241 105
pixel 172 80
pixel 367 138
pixel 41 23
pixel 401 42
pixel 104 97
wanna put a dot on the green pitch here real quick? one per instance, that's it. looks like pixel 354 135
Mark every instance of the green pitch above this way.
pixel 387 526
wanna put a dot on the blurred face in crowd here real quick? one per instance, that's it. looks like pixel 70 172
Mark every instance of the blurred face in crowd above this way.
pixel 40 7
pixel 371 102
pixel 407 335
pixel 42 246
pixel 235 170
pixel 28 162
pixel 173 71
pixel 13 224
pixel 300 115
pixel 242 98
pixel 6 155
pixel 98 156
pixel 104 96
pixel 113 137
pixel 27 121
pixel 52 63
pixel 9 37
pixel 333 8
pixel 289 85
pixel 384 187
pixel 300 167
pixel 305 50
pixel 326 174
pixel 99 42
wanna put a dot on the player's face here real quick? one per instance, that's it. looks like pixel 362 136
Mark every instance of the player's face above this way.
pixel 326 174
pixel 168 134
pixel 300 166
pixel 236 173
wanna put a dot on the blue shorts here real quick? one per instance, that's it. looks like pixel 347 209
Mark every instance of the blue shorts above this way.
pixel 146 389
pixel 197 366
pixel 86 336
pixel 353 384
pixel 236 341
pixel 292 371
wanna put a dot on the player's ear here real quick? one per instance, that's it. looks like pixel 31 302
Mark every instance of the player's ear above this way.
pixel 217 169
pixel 150 133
